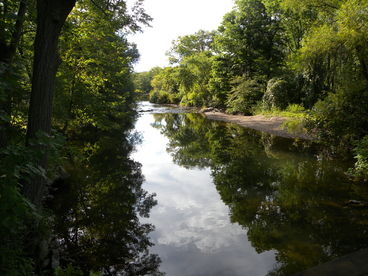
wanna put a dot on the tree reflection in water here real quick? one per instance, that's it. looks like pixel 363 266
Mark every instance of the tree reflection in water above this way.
pixel 286 198
pixel 96 208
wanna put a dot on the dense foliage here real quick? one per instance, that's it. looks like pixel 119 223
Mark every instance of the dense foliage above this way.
pixel 269 54
pixel 70 198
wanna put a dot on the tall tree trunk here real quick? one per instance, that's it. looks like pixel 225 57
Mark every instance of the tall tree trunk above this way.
pixel 51 16
pixel 7 56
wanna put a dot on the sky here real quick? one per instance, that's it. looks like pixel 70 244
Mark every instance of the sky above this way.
pixel 171 19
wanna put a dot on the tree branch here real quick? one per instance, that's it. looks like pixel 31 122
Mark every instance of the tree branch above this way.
pixel 98 7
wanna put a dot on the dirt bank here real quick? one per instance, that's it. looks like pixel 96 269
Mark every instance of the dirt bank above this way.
pixel 270 125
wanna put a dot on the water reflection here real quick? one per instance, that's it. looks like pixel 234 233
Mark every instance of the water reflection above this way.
pixel 285 199
pixel 97 208
pixel 193 235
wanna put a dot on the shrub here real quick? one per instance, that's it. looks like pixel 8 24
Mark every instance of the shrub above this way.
pixel 159 97
pixel 20 219
pixel 68 271
pixel 244 95
pixel 341 118
pixel 361 155
pixel 15 210
pixel 295 108
pixel 277 94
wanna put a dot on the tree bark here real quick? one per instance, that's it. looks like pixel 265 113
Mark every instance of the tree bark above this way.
pixel 51 16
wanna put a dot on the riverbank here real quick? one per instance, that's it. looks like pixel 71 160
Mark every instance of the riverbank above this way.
pixel 272 125
pixel 269 124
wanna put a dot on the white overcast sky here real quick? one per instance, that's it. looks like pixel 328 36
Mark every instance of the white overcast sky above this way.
pixel 173 18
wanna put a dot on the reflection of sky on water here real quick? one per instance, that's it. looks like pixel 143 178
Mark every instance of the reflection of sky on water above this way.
pixel 193 233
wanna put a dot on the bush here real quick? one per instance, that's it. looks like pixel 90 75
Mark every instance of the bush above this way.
pixel 295 108
pixel 194 98
pixel 277 94
pixel 361 155
pixel 244 96
pixel 159 97
pixel 68 271
pixel 342 118
pixel 20 219
pixel 15 210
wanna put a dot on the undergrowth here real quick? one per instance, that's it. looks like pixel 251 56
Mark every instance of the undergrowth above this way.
pixel 296 116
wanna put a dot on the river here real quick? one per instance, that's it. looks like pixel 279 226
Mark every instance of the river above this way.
pixel 234 201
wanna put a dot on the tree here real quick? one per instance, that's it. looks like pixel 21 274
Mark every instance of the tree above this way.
pixel 194 76
pixel 187 82
pixel 251 39
pixel 142 80
pixel 188 45
pixel 94 92
pixel 333 57
pixel 165 86
pixel 51 15
pixel 94 81
pixel 249 48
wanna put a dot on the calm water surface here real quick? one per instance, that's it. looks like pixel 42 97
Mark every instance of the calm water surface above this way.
pixel 233 201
